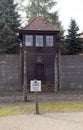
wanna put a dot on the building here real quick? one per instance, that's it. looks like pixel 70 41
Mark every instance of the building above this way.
pixel 81 35
pixel 39 38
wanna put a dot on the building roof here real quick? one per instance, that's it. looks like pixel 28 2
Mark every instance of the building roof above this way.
pixel 81 35
pixel 39 24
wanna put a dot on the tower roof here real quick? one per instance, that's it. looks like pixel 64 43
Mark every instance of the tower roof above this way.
pixel 39 24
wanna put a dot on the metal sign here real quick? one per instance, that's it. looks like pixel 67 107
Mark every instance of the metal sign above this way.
pixel 35 85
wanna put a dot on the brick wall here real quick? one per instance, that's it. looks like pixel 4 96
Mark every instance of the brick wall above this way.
pixel 10 75
pixel 71 68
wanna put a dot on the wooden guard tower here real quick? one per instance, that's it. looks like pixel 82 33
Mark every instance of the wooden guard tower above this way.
pixel 39 38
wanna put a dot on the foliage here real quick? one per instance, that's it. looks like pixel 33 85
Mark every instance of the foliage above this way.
pixel 72 39
pixel 62 46
pixel 9 24
pixel 42 8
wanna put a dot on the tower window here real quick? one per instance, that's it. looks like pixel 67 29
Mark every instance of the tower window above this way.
pixel 28 40
pixel 39 40
pixel 49 40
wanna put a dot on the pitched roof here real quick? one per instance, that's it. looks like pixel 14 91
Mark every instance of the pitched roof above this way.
pixel 39 23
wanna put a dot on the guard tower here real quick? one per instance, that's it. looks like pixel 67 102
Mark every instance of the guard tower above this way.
pixel 40 40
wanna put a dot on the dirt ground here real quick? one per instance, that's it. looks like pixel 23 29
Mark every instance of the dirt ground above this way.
pixel 48 121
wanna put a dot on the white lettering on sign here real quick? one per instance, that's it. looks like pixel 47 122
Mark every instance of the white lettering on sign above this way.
pixel 35 85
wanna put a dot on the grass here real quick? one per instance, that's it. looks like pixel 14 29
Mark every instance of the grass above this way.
pixel 23 108
pixel 16 108
pixel 62 107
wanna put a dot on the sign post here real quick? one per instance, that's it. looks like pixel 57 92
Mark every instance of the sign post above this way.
pixel 35 86
pixel 36 103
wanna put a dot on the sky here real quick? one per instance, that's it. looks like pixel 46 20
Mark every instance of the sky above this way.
pixel 68 9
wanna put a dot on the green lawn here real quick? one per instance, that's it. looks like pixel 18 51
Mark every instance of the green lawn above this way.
pixel 23 108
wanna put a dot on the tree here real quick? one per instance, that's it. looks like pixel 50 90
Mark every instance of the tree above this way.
pixel 42 8
pixel 9 24
pixel 72 39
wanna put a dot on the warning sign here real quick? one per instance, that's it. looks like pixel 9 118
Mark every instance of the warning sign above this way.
pixel 35 85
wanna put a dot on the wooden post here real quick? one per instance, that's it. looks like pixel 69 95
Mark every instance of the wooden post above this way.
pixel 55 75
pixel 21 83
pixel 25 77
pixel 36 103
pixel 59 69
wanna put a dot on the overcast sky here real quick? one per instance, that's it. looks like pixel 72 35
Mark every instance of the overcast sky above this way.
pixel 70 9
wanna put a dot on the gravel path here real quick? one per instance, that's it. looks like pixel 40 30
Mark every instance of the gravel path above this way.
pixel 48 121
pixel 16 96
